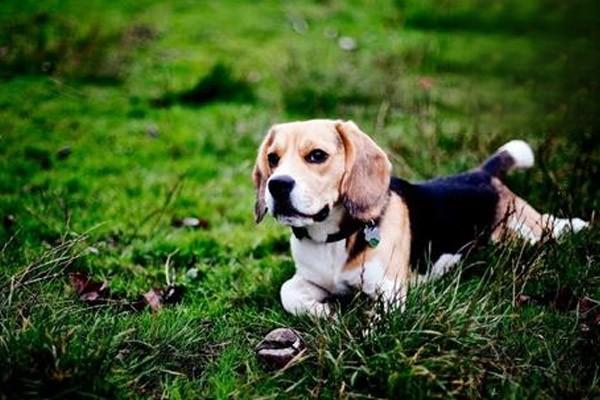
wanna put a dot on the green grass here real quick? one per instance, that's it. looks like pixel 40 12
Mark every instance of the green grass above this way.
pixel 163 105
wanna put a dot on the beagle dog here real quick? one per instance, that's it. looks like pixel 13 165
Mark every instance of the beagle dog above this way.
pixel 356 227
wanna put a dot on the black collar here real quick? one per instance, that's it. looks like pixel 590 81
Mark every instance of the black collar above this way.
pixel 348 226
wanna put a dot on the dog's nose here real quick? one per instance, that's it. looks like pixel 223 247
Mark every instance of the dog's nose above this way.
pixel 281 186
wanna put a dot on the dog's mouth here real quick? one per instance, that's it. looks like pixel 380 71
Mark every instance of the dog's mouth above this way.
pixel 287 211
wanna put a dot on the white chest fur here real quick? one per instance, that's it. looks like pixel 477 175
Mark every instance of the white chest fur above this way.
pixel 323 264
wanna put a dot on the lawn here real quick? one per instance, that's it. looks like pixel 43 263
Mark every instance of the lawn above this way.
pixel 119 119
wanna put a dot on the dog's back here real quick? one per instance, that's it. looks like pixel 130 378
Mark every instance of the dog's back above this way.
pixel 448 215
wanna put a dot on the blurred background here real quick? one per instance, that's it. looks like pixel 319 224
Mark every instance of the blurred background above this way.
pixel 156 89
pixel 138 122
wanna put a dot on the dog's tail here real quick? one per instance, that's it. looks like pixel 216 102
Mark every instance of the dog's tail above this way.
pixel 515 154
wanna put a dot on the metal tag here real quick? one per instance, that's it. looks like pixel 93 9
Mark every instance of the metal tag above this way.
pixel 372 236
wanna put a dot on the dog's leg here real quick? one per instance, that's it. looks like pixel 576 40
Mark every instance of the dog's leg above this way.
pixel 440 267
pixel 390 294
pixel 378 285
pixel 516 216
pixel 523 220
pixel 300 296
pixel 561 226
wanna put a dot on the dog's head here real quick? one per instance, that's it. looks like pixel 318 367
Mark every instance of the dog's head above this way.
pixel 303 169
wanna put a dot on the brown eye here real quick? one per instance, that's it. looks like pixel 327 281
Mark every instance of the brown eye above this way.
pixel 317 156
pixel 273 159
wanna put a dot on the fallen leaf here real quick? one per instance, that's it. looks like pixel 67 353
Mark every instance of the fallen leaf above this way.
pixel 89 290
pixel 94 292
pixel 63 153
pixel 589 311
pixel 587 304
pixel 426 83
pixel 564 299
pixel 157 297
pixel 154 299
pixel 522 299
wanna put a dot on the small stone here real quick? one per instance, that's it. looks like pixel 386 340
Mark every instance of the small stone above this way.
pixel 253 77
pixel 152 131
pixel 330 33
pixel 192 273
pixel 63 153
pixel 299 25
pixel 280 347
pixel 9 220
pixel 190 222
pixel 46 66
pixel 347 43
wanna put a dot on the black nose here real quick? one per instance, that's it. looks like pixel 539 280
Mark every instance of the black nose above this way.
pixel 281 186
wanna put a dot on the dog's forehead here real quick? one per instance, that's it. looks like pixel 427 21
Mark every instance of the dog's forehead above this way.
pixel 295 133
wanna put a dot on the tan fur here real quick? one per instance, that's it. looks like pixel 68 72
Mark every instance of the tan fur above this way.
pixel 513 211
pixel 354 179
pixel 394 249
pixel 260 174
pixel 357 171
pixel 366 180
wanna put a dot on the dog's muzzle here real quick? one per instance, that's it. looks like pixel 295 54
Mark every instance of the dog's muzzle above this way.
pixel 280 188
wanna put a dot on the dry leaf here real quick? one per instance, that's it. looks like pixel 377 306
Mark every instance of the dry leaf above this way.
pixel 158 297
pixel 89 290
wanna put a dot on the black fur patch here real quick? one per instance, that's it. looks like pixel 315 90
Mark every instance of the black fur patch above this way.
pixel 447 215
pixel 499 163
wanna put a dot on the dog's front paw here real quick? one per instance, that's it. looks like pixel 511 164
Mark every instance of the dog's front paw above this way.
pixel 322 310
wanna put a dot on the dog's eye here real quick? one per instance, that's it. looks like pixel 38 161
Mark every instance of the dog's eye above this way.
pixel 316 156
pixel 273 159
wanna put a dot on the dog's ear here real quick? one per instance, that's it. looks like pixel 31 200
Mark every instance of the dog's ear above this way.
pixel 260 174
pixel 365 184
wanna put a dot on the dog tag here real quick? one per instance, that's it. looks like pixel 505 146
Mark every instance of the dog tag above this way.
pixel 372 236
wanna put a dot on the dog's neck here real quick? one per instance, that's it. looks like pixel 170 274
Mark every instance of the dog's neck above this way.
pixel 339 225
pixel 319 231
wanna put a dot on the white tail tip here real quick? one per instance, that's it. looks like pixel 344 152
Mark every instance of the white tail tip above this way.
pixel 521 152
